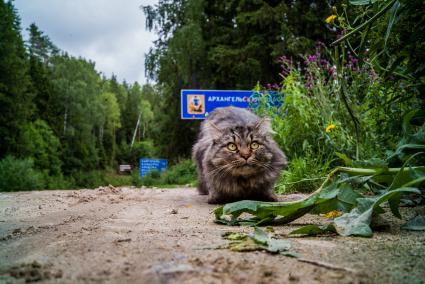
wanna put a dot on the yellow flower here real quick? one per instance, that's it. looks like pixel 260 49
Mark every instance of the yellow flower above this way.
pixel 330 19
pixel 330 127
pixel 332 214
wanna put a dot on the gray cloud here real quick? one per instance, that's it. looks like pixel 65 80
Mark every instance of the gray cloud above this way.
pixel 110 32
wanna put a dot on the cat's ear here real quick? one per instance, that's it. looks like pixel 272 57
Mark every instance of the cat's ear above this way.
pixel 264 127
pixel 214 130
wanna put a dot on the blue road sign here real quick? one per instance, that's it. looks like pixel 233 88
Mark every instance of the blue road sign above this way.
pixel 197 104
pixel 148 165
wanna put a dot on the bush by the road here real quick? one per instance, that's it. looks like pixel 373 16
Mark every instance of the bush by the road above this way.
pixel 19 174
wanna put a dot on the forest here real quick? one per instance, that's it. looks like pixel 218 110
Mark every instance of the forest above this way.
pixel 351 74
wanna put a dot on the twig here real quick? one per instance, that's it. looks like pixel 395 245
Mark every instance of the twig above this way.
pixel 326 265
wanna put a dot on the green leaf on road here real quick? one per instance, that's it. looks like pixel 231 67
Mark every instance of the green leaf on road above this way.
pixel 415 224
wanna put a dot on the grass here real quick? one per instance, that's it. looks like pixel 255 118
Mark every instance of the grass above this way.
pixel 304 174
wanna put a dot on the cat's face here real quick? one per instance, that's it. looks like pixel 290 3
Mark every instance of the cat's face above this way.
pixel 241 151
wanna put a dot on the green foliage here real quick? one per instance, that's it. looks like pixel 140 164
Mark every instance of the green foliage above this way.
pixel 303 175
pixel 314 230
pixel 181 173
pixel 57 181
pixel 19 174
pixel 74 124
pixel 16 105
pixel 399 55
pixel 96 178
pixel 415 224
pixel 141 149
pixel 340 191
pixel 337 195
pixel 87 179
pixel 59 112
pixel 232 45
pixel 357 221
pixel 39 143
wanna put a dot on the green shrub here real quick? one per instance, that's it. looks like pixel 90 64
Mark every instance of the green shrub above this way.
pixel 38 142
pixel 331 107
pixel 151 179
pixel 88 179
pixel 181 173
pixel 304 174
pixel 19 174
pixel 110 177
pixel 145 149
pixel 57 181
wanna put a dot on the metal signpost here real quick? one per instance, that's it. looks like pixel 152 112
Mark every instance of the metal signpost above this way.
pixel 197 104
pixel 148 165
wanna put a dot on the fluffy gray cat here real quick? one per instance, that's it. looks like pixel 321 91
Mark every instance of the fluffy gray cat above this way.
pixel 236 157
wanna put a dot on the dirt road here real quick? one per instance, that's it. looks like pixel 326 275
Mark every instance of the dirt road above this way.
pixel 131 235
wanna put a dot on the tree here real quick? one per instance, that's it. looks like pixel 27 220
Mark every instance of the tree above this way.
pixel 121 94
pixel 229 44
pixel 41 49
pixel 16 99
pixel 40 45
pixel 111 121
pixel 138 113
pixel 78 111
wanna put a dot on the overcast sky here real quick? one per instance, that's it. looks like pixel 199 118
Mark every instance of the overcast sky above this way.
pixel 110 32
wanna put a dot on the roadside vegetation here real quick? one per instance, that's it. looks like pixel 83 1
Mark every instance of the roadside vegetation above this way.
pixel 352 122
pixel 350 73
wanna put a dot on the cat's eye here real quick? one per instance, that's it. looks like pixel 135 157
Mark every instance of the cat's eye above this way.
pixel 232 146
pixel 254 145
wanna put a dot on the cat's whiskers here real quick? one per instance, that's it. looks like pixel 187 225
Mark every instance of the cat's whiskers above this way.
pixel 225 169
pixel 261 164
pixel 218 170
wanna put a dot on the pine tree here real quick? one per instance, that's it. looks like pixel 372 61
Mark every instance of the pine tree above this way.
pixel 41 50
pixel 16 99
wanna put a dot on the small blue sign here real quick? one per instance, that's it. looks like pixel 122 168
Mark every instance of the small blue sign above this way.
pixel 197 104
pixel 148 165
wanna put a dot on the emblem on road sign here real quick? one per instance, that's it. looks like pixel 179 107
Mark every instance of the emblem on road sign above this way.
pixel 196 104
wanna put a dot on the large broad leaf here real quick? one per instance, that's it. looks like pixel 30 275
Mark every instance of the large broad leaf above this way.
pixel 336 193
pixel 313 230
pixel 334 196
pixel 415 224
pixel 408 176
pixel 411 144
pixel 356 222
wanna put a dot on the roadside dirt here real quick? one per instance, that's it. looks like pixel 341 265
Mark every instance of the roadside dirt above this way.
pixel 133 235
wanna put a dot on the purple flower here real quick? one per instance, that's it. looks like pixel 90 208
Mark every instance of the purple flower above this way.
pixel 324 62
pixel 312 58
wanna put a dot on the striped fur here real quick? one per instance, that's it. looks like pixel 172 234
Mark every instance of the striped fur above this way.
pixel 246 173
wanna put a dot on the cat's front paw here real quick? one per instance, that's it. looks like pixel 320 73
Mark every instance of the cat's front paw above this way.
pixel 271 197
pixel 215 199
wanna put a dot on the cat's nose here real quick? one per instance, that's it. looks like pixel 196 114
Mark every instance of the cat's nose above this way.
pixel 244 154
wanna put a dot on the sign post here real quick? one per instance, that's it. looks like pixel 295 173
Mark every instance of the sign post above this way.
pixel 197 104
pixel 148 165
